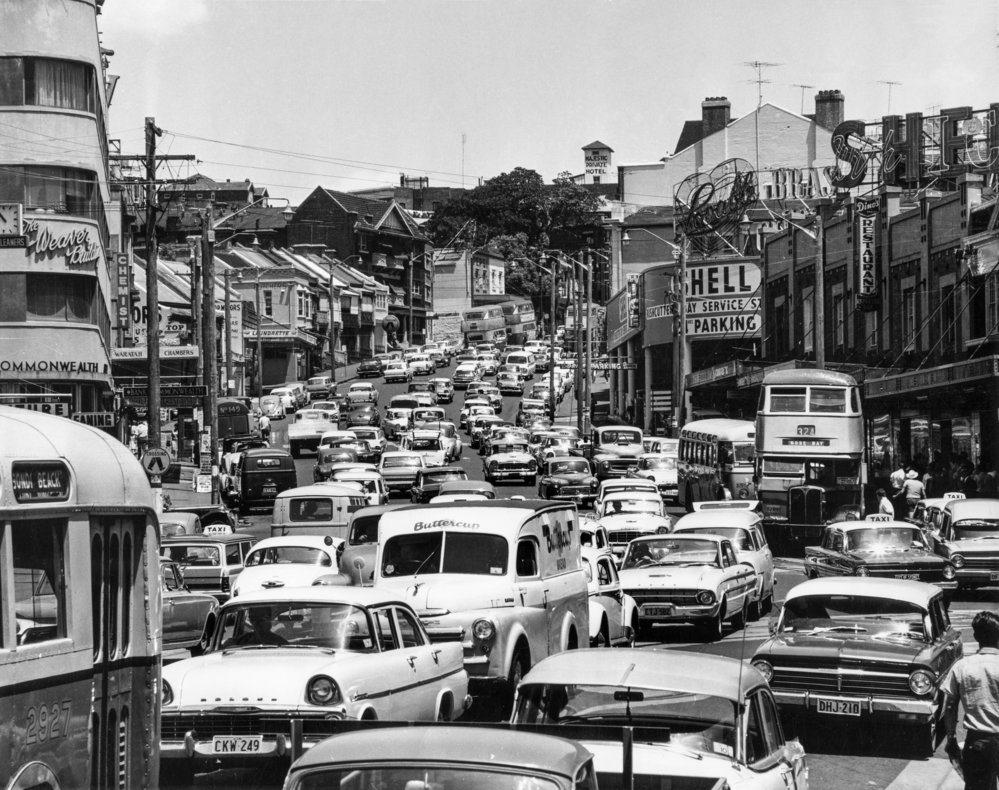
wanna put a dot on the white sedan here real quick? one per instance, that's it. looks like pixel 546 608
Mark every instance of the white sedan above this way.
pixel 288 561
pixel 317 654
pixel 613 614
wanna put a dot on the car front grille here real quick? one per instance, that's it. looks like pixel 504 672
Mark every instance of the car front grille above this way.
pixel 511 465
pixel 982 562
pixel 174 726
pixel 833 679
pixel 675 597
pixel 625 535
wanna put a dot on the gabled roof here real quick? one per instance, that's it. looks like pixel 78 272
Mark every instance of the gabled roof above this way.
pixel 597 144
pixel 693 130
pixel 371 214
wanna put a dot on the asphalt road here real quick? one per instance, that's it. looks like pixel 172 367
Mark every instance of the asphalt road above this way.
pixel 840 755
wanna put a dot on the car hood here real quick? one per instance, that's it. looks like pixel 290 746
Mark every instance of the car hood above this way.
pixel 670 577
pixel 519 458
pixel 660 476
pixel 271 576
pixel 700 770
pixel 277 675
pixel 895 556
pixel 450 592
pixel 310 428
pixel 974 545
pixel 619 450
pixel 642 521
pixel 843 646
pixel 582 477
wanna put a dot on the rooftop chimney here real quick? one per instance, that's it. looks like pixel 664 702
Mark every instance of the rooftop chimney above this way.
pixel 829 109
pixel 715 114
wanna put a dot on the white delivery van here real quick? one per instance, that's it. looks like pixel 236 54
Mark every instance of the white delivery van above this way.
pixel 321 509
pixel 504 577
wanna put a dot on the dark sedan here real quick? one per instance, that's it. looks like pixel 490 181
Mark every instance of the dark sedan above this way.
pixel 568 478
pixel 330 455
pixel 369 367
pixel 428 481
pixel 876 547
pixel 364 415
pixel 188 617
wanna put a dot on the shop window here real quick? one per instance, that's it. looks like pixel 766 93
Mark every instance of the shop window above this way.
pixel 65 190
pixel 39 579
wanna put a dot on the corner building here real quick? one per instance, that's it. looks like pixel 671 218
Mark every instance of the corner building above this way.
pixel 55 280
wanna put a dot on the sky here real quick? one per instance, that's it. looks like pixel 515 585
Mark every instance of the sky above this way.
pixel 348 94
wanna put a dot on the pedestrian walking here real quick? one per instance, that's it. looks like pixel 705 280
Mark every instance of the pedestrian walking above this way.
pixel 884 503
pixel 912 491
pixel 973 682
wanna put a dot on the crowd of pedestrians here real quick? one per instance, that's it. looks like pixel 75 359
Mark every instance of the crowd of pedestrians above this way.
pixel 911 482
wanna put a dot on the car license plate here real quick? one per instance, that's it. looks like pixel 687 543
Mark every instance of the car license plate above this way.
pixel 994 577
pixel 910 576
pixel 837 707
pixel 270 491
pixel 666 610
pixel 237 744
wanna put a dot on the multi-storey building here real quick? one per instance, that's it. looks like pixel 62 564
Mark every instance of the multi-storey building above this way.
pixel 56 250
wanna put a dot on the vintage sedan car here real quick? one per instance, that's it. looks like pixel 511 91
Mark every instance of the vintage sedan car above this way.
pixel 422 364
pixel 321 654
pixel 510 383
pixel 867 652
pixel 345 450
pixel 172 524
pixel 271 407
pixel 427 444
pixel 369 367
pixel 498 431
pixel 444 389
pixel 466 489
pixel 708 721
pixel 361 392
pixel 565 477
pixel 330 405
pixel 616 448
pixel 364 414
pixel 368 481
pixel 434 758
pixel 878 546
pixel 530 409
pixel 188 617
pixel 396 422
pixel 465 374
pixel 397 370
pixel 968 539
pixel 448 431
pixel 288 561
pixel 479 424
pixel 638 486
pixel 626 516
pixel 399 469
pixel 429 414
pixel 308 427
pixel 473 407
pixel 928 512
pixel 660 469
pixel 373 435
pixel 744 527
pixel 429 481
pixel 694 579
pixel 287 397
pixel 557 445
pixel 490 392
pixel 613 614
pixel 508 460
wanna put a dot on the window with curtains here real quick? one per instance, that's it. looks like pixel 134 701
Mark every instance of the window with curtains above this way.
pixel 66 190
pixel 909 338
pixel 46 82
pixel 61 297
pixel 808 322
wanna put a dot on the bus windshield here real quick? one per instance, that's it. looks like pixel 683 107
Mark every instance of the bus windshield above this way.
pixel 736 452
pixel 445 552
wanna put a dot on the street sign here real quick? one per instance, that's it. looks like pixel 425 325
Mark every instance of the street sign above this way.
pixel 189 390
pixel 155 460
pixel 598 364
pixel 662 401
pixel 173 401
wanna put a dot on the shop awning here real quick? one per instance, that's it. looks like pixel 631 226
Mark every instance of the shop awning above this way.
pixel 942 378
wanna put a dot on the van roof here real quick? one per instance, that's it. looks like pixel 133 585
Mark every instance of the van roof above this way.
pixel 320 489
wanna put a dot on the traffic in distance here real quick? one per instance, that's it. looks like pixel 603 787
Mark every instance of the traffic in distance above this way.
pixel 432 542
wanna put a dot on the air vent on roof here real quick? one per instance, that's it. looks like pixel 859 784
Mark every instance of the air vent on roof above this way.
pixel 369 217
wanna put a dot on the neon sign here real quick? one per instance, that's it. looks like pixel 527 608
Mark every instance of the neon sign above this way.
pixel 716 201
pixel 76 244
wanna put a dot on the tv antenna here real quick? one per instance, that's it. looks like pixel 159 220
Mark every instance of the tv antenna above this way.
pixel 889 83
pixel 759 65
pixel 803 89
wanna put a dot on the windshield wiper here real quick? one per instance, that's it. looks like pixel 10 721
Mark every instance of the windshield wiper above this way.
pixel 430 556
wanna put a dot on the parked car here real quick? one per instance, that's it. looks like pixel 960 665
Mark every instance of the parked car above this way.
pixel 323 653
pixel 362 392
pixel 305 431
pixel 188 617
pixel 863 652
pixel 695 579
pixel 399 469
pixel 711 721
pixel 428 481
pixel 288 561
pixel 878 546
pixel 444 757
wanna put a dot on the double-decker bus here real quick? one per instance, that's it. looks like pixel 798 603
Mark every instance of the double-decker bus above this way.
pixel 715 461
pixel 520 323
pixel 809 451
pixel 80 608
pixel 484 324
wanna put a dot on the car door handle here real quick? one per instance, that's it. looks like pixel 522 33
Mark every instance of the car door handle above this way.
pixel 436 654
pixel 411 660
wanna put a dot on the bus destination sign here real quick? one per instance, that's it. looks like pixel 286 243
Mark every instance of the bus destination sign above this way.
pixel 40 481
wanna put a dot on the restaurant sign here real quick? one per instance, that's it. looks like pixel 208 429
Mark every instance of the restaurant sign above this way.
pixel 867 223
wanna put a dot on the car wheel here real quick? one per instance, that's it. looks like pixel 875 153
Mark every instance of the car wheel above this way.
pixel 602 639
pixel 755 610
pixel 444 712
pixel 519 665
pixel 714 629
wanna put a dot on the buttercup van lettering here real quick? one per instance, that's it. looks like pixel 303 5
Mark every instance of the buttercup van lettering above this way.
pixel 444 523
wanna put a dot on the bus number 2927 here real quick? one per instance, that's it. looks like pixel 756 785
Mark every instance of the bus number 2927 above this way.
pixel 47 722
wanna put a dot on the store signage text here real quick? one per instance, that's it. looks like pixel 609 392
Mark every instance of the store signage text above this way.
pixel 596 163
pixel 169 352
pixel 75 244
pixel 96 419
pixel 60 408
pixel 745 324
pixel 711 202
pixel 53 366
pixel 727 279
pixel 867 221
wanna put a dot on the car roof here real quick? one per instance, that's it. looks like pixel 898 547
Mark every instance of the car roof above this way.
pixel 973 508
pixel 683 536
pixel 673 670
pixel 319 489
pixel 397 453
pixel 853 526
pixel 434 744
pixel 918 593
pixel 718 518
pixel 257 452
pixel 313 541
pixel 363 596
pixel 224 537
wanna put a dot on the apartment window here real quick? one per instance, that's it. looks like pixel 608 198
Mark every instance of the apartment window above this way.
pixel 45 82
pixel 268 303
pixel 909 318
pixel 839 318
pixel 808 322
pixel 302 309
pixel 948 317
pixel 362 243
pixel 65 190
pixel 61 297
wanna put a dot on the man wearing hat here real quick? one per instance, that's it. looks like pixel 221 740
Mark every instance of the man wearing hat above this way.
pixel 912 491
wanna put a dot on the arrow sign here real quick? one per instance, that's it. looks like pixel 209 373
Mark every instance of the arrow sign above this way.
pixel 155 461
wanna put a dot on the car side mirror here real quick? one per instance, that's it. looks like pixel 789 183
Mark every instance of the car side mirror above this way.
pixel 772 625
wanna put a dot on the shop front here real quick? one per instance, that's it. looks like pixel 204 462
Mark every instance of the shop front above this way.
pixel 623 334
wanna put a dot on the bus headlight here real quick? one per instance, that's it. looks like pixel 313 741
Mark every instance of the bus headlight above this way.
pixel 765 668
pixel 949 572
pixel 167 694
pixel 921 682
pixel 705 597
pixel 484 630
pixel 957 560
pixel 861 570
pixel 321 690
pixel 742 493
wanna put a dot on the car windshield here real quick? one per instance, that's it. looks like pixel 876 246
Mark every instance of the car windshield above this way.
pixel 334 626
pixel 698 721
pixel 196 556
pixel 401 460
pixel 739 536
pixel 569 467
pixel 398 414
pixel 426 444
pixel 671 551
pixel 971 528
pixel 509 448
pixel 657 463
pixel 426 775
pixel 879 539
pixel 445 552
pixel 442 477
pixel 849 615
pixel 287 555
pixel 614 506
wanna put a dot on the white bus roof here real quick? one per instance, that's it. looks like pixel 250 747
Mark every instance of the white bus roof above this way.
pixel 809 377
pixel 721 428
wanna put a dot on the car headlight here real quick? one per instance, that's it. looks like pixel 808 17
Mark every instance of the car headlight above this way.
pixel 861 570
pixel 167 694
pixel 557 483
pixel 484 630
pixel 605 465
pixel 705 597
pixel 921 682
pixel 493 466
pixel 765 668
pixel 321 690
pixel 743 493
pixel 949 572
pixel 532 464
pixel 957 560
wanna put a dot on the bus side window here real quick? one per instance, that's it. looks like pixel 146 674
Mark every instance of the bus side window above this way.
pixel 39 580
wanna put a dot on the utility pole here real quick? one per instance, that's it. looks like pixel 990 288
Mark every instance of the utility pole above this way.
pixel 152 301
pixel 332 330
pixel 681 340
pixel 551 339
pixel 577 392
pixel 409 328
pixel 588 263
pixel 208 343
pixel 260 351
pixel 819 329
pixel 226 277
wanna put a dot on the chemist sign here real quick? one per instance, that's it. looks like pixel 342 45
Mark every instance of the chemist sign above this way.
pixel 723 299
